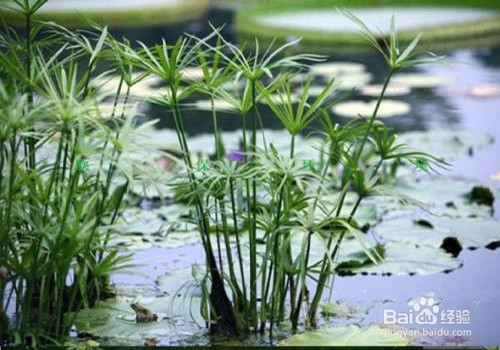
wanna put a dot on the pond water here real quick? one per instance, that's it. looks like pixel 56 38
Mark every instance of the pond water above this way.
pixel 407 18
pixel 451 106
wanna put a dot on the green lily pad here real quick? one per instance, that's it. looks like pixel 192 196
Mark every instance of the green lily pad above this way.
pixel 192 73
pixel 219 105
pixel 115 318
pixel 391 91
pixel 439 196
pixel 346 336
pixel 400 259
pixel 427 230
pixel 419 80
pixel 388 108
pixel 162 227
pixel 366 213
pixel 352 81
pixel 447 144
pixel 177 281
pixel 342 309
pixel 336 68
pixel 143 89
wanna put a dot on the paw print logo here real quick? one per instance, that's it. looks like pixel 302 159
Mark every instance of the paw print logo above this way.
pixel 427 310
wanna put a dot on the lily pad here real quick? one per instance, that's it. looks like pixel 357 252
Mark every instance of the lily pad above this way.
pixel 392 90
pixel 115 318
pixel 388 108
pixel 420 80
pixel 177 281
pixel 107 109
pixel 346 336
pixel 453 199
pixel 342 309
pixel 336 68
pixel 427 230
pixel 400 259
pixel 314 90
pixel 145 88
pixel 192 73
pixel 162 227
pixel 219 105
pixel 447 144
pixel 485 90
pixel 352 81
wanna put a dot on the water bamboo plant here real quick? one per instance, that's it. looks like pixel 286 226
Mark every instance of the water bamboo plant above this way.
pixel 265 198
pixel 57 200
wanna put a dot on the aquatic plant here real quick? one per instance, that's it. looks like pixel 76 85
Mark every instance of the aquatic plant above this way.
pixel 272 200
pixel 262 215
pixel 63 178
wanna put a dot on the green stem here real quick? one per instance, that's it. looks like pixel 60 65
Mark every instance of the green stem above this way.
pixel 253 230
pixel 218 151
pixel 324 269
pixel 30 141
pixel 238 245
pixel 218 295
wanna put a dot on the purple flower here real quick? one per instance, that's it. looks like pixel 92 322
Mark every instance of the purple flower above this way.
pixel 236 156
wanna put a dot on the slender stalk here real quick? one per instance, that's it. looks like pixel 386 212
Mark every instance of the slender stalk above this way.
pixel 253 230
pixel 227 242
pixel 218 295
pixel 218 151
pixel 30 141
pixel 324 269
pixel 238 245
pixel 274 268
pixel 217 233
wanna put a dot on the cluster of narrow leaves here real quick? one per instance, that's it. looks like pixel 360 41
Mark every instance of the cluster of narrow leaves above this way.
pixel 251 210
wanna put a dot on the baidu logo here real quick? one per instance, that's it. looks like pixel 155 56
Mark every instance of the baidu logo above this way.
pixel 426 311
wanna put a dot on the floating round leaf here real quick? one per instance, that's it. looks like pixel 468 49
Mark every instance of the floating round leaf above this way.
pixel 351 81
pixel 470 232
pixel 447 144
pixel 388 108
pixel 400 259
pixel 192 73
pixel 346 336
pixel 219 105
pixel 419 80
pixel 485 90
pixel 392 90
pixel 336 68
pixel 115 318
